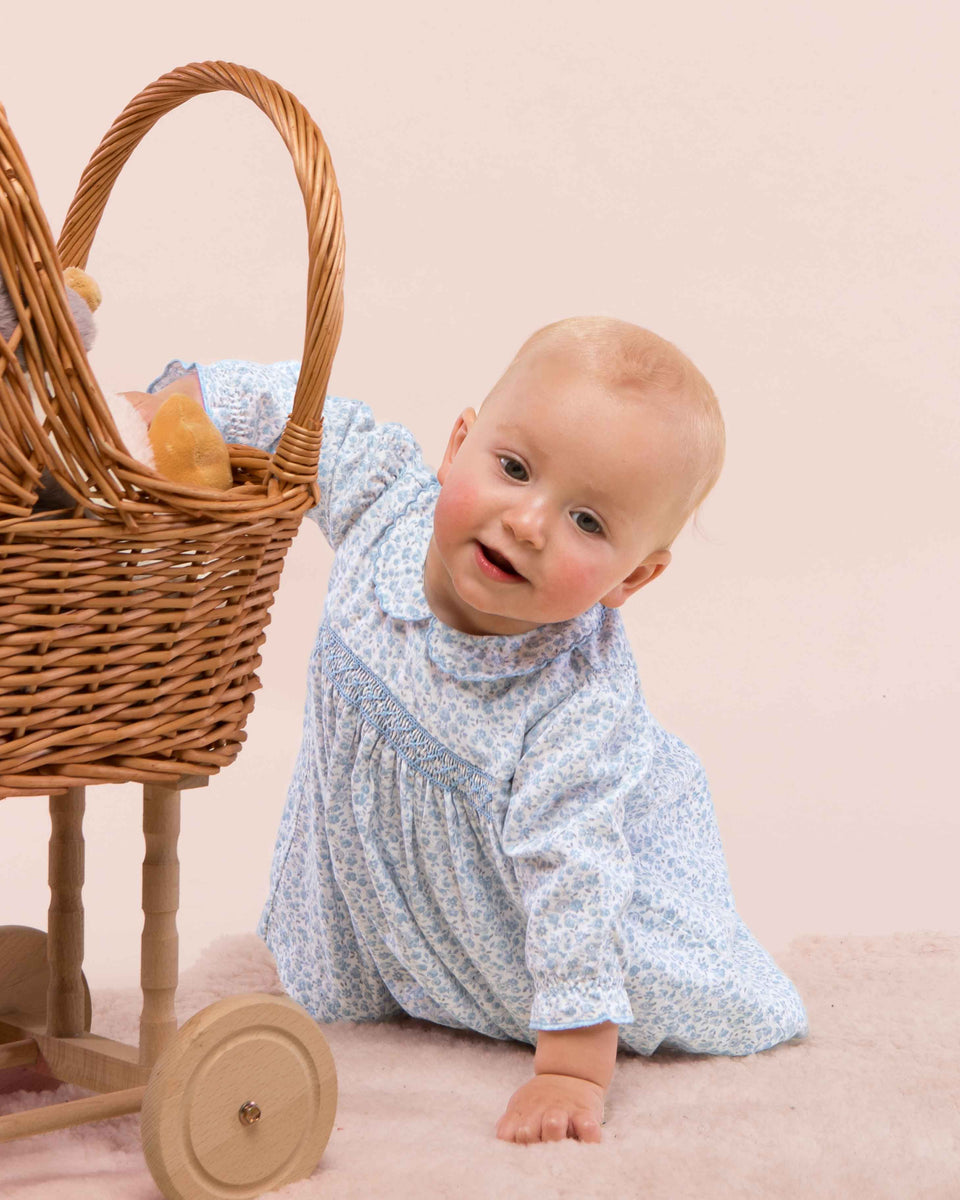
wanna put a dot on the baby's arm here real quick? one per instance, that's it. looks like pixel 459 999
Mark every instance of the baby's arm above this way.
pixel 573 1069
pixel 565 832
pixel 250 403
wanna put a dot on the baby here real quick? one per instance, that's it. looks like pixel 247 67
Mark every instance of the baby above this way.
pixel 486 827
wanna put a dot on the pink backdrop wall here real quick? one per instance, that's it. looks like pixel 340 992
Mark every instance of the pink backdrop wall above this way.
pixel 772 187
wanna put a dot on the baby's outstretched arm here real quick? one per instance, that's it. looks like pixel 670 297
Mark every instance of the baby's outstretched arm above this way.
pixel 573 1069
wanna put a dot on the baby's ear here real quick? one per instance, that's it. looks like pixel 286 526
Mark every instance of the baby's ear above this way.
pixel 461 428
pixel 652 566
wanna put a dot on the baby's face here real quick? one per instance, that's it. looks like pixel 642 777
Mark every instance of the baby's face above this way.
pixel 553 498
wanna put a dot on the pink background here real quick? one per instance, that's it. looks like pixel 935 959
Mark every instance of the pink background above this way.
pixel 772 187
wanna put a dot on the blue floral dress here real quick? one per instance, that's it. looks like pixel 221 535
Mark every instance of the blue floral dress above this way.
pixel 492 833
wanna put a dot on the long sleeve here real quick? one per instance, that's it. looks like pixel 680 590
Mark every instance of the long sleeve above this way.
pixel 564 832
pixel 250 404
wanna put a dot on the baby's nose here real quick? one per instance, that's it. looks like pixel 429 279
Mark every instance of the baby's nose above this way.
pixel 527 523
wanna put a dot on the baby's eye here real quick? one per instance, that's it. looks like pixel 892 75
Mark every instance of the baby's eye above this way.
pixel 509 464
pixel 587 522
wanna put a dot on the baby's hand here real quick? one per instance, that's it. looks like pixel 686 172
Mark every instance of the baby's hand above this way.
pixel 148 404
pixel 145 404
pixel 549 1108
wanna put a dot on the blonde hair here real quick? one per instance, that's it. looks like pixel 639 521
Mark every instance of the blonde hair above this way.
pixel 628 356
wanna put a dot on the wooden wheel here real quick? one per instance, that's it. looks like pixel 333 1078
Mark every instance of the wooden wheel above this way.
pixel 241 1102
pixel 25 976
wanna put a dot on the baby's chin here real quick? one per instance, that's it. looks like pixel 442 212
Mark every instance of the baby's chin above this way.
pixel 458 601
pixel 502 621
pixel 478 615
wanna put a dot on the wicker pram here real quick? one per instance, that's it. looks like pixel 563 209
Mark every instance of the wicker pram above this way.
pixel 129 631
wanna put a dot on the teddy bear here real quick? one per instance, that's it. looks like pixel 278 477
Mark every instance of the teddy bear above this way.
pixel 181 442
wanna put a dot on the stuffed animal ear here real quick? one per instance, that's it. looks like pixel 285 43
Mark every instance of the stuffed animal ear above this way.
pixel 83 296
pixel 84 285
pixel 188 447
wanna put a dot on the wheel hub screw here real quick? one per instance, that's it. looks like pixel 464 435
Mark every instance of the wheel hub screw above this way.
pixel 249 1113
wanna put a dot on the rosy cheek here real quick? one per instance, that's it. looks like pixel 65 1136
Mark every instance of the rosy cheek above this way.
pixel 456 508
pixel 563 578
pixel 570 577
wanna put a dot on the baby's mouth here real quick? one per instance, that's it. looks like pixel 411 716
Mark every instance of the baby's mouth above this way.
pixel 500 561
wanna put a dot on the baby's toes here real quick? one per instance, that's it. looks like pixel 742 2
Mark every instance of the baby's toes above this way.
pixel 553 1127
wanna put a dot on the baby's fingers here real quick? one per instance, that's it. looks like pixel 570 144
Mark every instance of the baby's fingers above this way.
pixel 585 1125
pixel 145 403
pixel 554 1125
pixel 533 1126
pixel 551 1125
pixel 507 1127
pixel 523 1129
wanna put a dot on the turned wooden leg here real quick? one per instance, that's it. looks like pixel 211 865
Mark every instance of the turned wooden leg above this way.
pixel 65 993
pixel 159 944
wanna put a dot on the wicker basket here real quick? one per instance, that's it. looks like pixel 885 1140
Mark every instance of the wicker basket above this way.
pixel 129 626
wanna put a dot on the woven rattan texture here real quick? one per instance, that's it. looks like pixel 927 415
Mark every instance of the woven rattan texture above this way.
pixel 130 624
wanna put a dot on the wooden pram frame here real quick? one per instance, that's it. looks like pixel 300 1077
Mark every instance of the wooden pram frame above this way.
pixel 206 1131
pixel 58 1040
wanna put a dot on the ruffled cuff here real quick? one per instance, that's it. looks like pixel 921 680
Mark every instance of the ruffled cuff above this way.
pixel 172 372
pixel 575 1005
pixel 248 402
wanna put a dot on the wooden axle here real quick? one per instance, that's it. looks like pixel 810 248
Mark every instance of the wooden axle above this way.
pixel 23 1053
pixel 70 1112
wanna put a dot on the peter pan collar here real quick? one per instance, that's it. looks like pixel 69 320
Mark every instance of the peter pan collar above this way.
pixel 398 585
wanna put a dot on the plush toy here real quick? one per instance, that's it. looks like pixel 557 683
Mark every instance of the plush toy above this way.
pixel 181 443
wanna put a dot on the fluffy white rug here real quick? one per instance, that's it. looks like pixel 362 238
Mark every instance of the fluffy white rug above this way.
pixel 865 1109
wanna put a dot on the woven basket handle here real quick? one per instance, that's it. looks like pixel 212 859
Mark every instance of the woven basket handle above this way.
pixel 297 455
